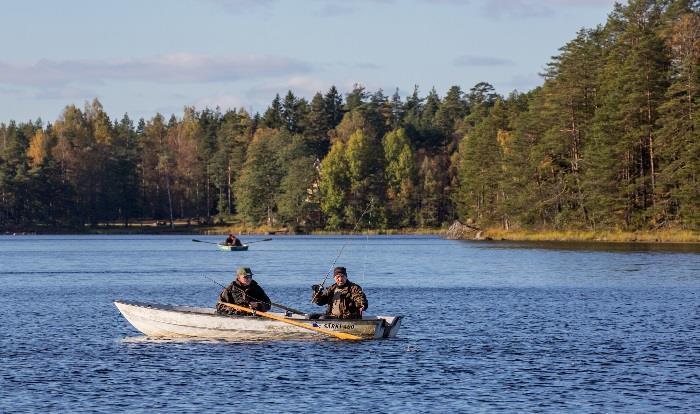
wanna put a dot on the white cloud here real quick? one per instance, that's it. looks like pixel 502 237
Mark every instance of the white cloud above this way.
pixel 171 68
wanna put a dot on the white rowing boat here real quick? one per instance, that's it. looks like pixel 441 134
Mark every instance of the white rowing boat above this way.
pixel 172 321
pixel 232 248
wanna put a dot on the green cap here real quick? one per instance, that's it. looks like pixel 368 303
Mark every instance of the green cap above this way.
pixel 244 271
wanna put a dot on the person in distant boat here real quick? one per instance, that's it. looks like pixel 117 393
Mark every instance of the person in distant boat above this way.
pixel 232 240
pixel 243 291
pixel 345 299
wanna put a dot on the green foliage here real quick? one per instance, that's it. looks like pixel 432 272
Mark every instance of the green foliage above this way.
pixel 401 174
pixel 260 178
pixel 609 141
pixel 334 186
pixel 365 160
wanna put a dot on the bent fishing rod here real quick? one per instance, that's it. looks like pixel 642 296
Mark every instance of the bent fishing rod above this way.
pixel 298 312
pixel 359 220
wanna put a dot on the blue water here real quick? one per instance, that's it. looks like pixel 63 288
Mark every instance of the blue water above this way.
pixel 489 327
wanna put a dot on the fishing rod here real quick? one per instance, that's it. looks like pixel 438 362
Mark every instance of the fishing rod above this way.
pixel 298 312
pixel 359 220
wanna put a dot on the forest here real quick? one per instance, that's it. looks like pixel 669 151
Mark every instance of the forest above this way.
pixel 608 141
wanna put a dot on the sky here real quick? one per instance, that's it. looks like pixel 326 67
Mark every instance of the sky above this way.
pixel 144 57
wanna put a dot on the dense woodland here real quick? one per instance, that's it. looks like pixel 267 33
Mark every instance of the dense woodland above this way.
pixel 609 141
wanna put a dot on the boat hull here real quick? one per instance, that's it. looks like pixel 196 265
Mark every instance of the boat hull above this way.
pixel 233 248
pixel 169 321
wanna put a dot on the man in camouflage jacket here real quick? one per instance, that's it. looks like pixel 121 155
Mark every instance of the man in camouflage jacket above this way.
pixel 345 299
pixel 243 291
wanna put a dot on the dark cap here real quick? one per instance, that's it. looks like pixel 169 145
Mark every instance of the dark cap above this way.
pixel 244 271
pixel 340 270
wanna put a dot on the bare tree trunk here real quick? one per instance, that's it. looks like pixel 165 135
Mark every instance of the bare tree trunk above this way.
pixel 651 151
pixel 208 195
pixel 228 196
pixel 170 202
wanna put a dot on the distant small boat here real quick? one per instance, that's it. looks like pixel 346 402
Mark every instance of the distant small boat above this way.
pixel 232 248
pixel 171 321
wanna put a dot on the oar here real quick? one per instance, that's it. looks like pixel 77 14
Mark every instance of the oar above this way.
pixel 341 335
pixel 202 241
pixel 258 241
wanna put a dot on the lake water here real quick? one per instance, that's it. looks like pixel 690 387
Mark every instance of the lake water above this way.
pixel 489 327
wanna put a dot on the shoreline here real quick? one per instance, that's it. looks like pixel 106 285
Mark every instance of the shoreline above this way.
pixel 604 236
pixel 489 234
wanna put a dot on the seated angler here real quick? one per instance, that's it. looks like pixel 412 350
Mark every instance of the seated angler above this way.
pixel 232 240
pixel 345 299
pixel 243 291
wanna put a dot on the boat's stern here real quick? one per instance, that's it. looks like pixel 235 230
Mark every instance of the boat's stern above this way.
pixel 391 325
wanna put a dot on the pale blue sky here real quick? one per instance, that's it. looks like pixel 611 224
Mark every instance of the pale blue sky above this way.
pixel 150 56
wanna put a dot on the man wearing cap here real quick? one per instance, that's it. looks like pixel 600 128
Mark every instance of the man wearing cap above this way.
pixel 243 291
pixel 345 299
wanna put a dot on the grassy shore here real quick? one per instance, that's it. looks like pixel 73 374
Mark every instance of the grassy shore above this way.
pixel 659 236
pixel 222 229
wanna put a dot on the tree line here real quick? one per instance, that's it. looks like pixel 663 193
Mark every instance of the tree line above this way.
pixel 609 141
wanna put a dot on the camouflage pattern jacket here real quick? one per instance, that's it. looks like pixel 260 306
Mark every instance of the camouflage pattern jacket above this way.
pixel 242 295
pixel 347 299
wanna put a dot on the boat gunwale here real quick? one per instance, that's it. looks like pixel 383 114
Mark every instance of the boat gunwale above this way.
pixel 212 312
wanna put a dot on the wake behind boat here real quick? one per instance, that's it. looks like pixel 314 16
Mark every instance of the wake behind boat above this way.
pixel 172 321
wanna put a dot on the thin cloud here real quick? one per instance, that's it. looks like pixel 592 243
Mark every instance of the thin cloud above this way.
pixel 65 93
pixel 534 8
pixel 495 9
pixel 243 6
pixel 336 9
pixel 471 60
pixel 172 68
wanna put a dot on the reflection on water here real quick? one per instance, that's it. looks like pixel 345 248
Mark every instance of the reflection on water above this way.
pixel 512 327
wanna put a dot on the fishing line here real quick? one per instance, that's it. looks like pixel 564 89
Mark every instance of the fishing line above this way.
pixel 359 220
pixel 364 259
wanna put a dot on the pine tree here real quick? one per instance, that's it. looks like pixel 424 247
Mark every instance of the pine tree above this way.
pixel 261 175
pixel 273 117
pixel 679 163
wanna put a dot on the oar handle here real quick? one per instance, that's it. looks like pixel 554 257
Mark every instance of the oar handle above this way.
pixel 341 335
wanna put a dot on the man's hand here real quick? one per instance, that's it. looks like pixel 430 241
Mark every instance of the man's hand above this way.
pixel 316 288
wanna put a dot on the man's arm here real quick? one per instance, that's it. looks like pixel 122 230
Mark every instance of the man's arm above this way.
pixel 320 296
pixel 359 297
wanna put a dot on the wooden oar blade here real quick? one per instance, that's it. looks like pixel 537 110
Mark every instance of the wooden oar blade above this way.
pixel 341 335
